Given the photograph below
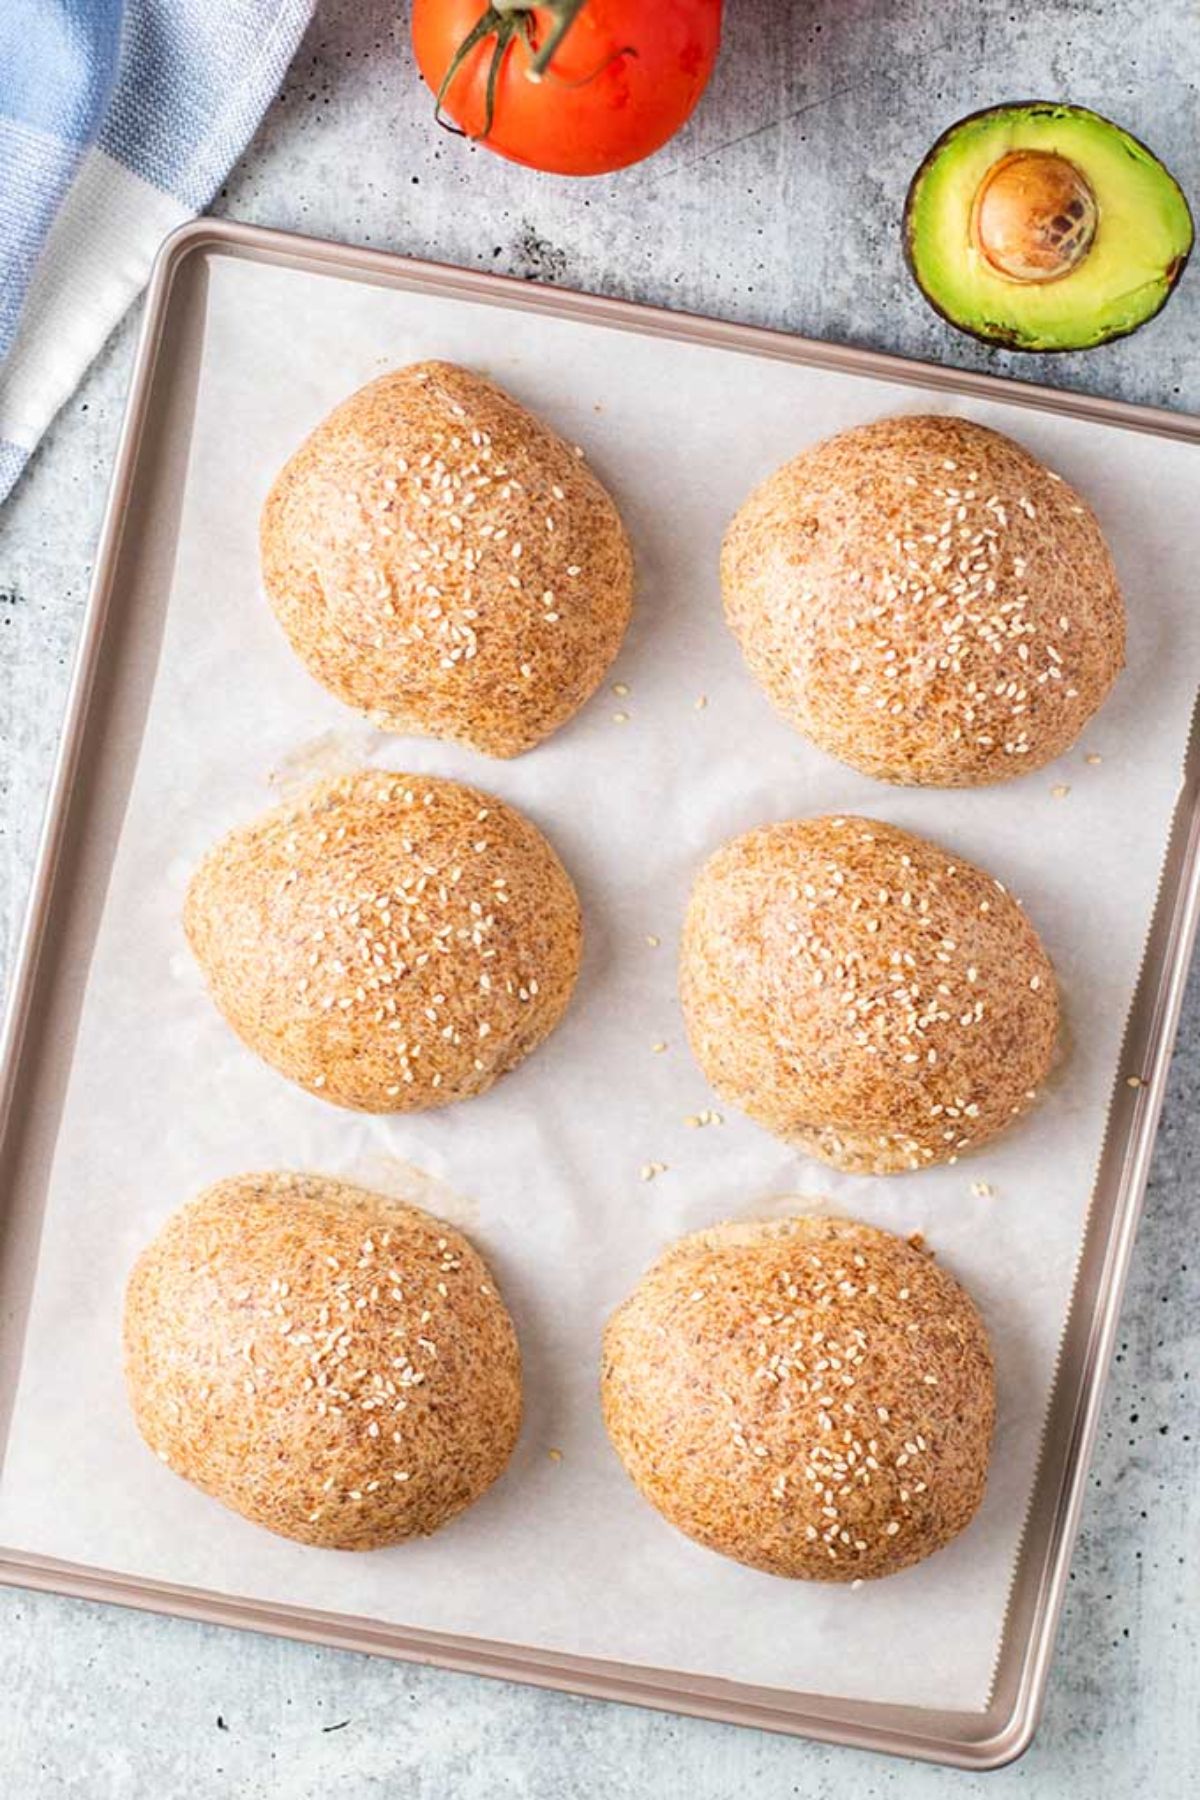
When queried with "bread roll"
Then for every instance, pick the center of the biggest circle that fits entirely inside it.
(923, 599)
(809, 1396)
(331, 1364)
(443, 562)
(874, 1000)
(390, 942)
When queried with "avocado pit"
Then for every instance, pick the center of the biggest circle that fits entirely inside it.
(1035, 216)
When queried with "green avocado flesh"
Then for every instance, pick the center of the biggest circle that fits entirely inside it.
(1142, 238)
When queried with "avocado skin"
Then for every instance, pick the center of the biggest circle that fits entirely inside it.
(995, 336)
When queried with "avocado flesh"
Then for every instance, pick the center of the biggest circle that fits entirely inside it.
(1142, 239)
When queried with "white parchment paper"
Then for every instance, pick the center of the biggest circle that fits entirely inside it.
(544, 1171)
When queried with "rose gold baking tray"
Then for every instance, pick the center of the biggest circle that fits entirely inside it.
(109, 693)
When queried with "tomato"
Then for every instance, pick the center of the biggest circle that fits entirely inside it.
(620, 76)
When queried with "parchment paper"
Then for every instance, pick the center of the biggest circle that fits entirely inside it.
(544, 1171)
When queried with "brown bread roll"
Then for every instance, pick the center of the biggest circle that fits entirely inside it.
(444, 563)
(810, 1396)
(330, 1363)
(864, 994)
(390, 942)
(922, 598)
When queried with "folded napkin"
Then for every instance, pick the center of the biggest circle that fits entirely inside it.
(119, 119)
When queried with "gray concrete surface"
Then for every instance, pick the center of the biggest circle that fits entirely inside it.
(779, 205)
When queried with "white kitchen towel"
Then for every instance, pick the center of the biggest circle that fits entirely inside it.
(119, 119)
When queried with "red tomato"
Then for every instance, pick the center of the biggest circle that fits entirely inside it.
(622, 79)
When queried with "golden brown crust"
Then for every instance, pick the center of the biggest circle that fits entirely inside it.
(864, 994)
(390, 942)
(330, 1363)
(445, 563)
(922, 598)
(810, 1396)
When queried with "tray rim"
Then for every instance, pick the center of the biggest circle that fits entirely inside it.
(983, 1740)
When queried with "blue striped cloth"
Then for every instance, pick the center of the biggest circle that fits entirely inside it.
(119, 119)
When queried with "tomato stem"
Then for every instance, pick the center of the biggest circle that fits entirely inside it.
(565, 15)
(493, 21)
(505, 20)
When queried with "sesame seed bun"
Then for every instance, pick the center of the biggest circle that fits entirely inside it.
(443, 562)
(923, 599)
(331, 1364)
(874, 1000)
(810, 1396)
(390, 942)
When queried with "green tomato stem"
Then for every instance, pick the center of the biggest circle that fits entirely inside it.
(565, 15)
(506, 20)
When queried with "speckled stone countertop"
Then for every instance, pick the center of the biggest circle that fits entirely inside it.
(778, 206)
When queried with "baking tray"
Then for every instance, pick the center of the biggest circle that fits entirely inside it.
(106, 708)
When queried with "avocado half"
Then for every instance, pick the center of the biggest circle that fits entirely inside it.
(1045, 227)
